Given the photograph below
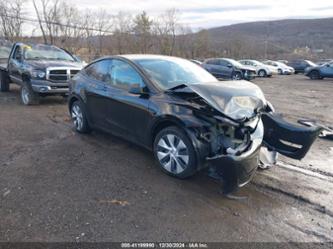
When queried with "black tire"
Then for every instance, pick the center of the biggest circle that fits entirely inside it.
(236, 76)
(189, 168)
(4, 82)
(280, 71)
(77, 109)
(28, 96)
(262, 73)
(314, 75)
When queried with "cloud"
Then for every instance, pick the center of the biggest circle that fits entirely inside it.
(213, 13)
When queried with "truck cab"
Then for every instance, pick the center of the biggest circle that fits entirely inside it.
(41, 70)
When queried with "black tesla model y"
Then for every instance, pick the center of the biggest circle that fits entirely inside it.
(184, 115)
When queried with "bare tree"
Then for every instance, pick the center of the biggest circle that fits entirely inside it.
(166, 29)
(11, 19)
(104, 25)
(49, 16)
(122, 33)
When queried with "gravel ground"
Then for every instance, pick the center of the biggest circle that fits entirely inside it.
(57, 186)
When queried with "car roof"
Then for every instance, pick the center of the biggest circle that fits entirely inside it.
(145, 56)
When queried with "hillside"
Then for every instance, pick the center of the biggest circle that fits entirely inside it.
(283, 36)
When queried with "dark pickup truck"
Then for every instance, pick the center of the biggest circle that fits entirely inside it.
(41, 70)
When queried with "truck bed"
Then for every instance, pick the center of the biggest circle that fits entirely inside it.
(3, 64)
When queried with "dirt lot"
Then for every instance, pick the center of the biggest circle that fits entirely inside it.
(56, 185)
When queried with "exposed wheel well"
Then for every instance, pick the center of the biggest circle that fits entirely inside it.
(71, 101)
(161, 126)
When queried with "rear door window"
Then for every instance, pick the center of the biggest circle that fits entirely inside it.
(100, 70)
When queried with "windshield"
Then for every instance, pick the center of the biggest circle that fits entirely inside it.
(235, 63)
(311, 63)
(43, 52)
(258, 63)
(171, 72)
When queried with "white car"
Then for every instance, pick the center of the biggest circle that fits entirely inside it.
(281, 67)
(262, 69)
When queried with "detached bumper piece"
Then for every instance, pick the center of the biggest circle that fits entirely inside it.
(288, 139)
(235, 174)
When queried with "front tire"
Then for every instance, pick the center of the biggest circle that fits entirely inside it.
(79, 117)
(4, 82)
(28, 96)
(174, 153)
(262, 73)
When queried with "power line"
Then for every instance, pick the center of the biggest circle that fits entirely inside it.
(28, 19)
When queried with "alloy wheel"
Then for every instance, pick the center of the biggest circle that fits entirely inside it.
(77, 117)
(236, 76)
(25, 95)
(262, 73)
(172, 153)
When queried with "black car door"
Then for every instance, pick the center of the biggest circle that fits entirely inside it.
(127, 109)
(96, 92)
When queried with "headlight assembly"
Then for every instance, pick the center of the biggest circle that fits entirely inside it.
(243, 106)
(38, 74)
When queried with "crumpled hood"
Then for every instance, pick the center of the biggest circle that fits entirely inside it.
(236, 99)
(43, 64)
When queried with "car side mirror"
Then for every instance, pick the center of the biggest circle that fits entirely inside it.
(229, 65)
(328, 65)
(137, 89)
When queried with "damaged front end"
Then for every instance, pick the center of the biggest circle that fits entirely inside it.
(236, 122)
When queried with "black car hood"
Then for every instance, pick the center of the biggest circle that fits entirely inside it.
(43, 64)
(224, 97)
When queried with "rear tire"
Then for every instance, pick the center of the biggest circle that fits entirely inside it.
(4, 82)
(79, 117)
(236, 76)
(174, 153)
(28, 96)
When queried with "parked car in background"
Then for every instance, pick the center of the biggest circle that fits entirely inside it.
(323, 61)
(282, 68)
(196, 62)
(184, 115)
(40, 70)
(320, 71)
(300, 65)
(262, 70)
(224, 68)
(283, 61)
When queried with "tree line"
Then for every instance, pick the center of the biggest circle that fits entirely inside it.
(91, 34)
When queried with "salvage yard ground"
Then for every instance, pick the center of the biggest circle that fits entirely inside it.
(56, 185)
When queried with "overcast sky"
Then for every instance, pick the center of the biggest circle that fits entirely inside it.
(213, 13)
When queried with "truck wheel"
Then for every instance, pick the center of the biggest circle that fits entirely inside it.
(4, 82)
(28, 96)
